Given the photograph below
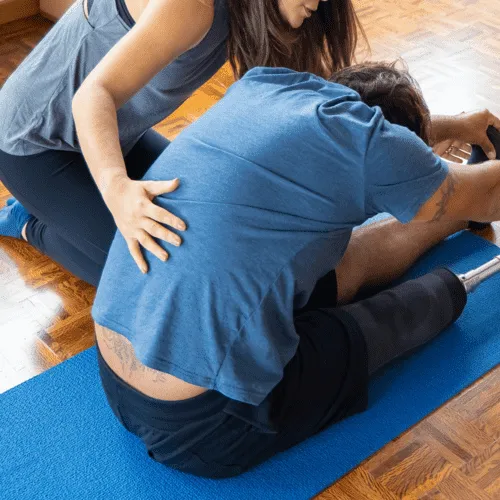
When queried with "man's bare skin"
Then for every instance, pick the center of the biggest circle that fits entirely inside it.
(119, 354)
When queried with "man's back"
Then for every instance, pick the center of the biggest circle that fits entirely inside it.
(273, 179)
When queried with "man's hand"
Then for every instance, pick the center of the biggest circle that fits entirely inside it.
(452, 136)
(473, 127)
(453, 150)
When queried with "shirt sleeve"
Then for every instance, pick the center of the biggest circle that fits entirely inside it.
(401, 171)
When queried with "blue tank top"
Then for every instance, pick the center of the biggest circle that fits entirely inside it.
(123, 11)
(35, 102)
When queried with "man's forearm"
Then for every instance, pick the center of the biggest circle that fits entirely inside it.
(484, 192)
(494, 194)
(467, 193)
(445, 127)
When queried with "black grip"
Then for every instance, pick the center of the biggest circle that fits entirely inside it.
(478, 155)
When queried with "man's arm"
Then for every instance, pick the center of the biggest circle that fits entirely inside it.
(470, 128)
(467, 193)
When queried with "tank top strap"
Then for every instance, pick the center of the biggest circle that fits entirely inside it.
(124, 13)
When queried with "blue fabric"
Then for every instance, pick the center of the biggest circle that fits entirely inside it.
(36, 100)
(59, 439)
(13, 217)
(273, 179)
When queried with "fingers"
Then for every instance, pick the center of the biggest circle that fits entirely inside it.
(460, 153)
(135, 251)
(145, 239)
(466, 147)
(164, 216)
(139, 220)
(494, 121)
(158, 231)
(150, 244)
(156, 188)
(457, 151)
(488, 148)
(453, 158)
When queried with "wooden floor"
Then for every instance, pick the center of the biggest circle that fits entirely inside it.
(452, 47)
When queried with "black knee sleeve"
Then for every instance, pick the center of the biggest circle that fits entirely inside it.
(400, 319)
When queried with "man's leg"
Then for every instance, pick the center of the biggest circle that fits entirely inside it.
(383, 251)
(397, 320)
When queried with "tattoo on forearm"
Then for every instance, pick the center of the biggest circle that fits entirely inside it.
(447, 192)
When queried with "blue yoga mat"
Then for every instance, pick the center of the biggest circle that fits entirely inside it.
(60, 440)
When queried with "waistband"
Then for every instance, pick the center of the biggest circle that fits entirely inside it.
(201, 406)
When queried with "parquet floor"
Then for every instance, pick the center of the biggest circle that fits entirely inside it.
(452, 47)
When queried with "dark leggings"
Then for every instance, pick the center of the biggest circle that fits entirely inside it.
(71, 222)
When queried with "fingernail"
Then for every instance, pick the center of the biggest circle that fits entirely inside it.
(164, 257)
(178, 242)
(492, 156)
(181, 227)
(144, 270)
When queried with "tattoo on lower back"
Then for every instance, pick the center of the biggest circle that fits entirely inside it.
(447, 192)
(125, 353)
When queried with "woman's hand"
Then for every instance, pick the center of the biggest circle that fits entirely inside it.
(138, 218)
(165, 30)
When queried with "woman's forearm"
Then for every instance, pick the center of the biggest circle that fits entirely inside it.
(96, 121)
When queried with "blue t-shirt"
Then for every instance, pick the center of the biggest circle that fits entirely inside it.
(273, 179)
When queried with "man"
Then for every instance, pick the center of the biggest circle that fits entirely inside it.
(248, 340)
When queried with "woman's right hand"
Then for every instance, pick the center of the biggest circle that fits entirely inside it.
(139, 220)
(165, 30)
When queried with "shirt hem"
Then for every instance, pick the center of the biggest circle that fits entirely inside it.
(231, 391)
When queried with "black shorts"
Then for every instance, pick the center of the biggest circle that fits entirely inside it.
(211, 435)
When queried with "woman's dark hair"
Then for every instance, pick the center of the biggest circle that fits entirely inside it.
(396, 92)
(259, 36)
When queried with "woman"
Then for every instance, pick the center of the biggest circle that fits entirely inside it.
(122, 66)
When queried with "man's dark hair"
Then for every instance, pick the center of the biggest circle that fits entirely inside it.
(394, 90)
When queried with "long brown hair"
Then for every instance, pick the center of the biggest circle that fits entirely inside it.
(259, 36)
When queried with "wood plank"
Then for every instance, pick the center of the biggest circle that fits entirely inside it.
(12, 10)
